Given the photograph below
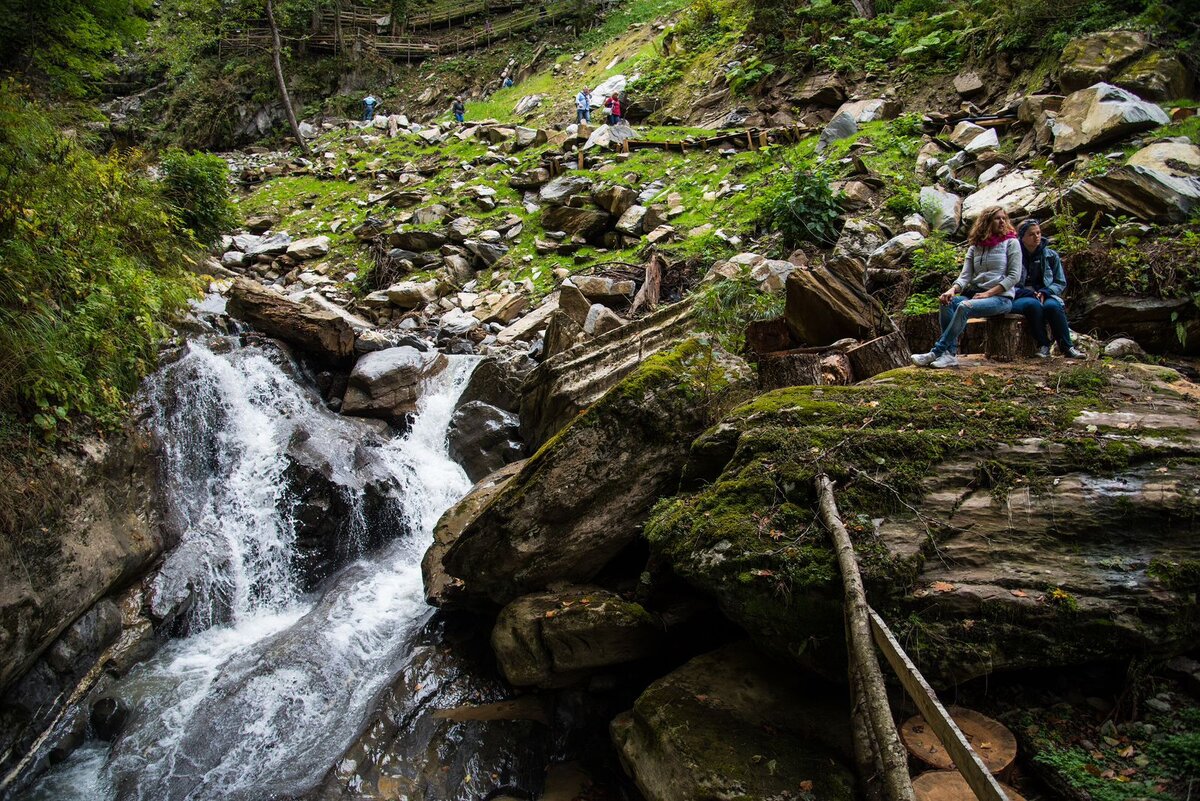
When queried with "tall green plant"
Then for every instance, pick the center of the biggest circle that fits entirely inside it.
(197, 185)
(804, 209)
(92, 263)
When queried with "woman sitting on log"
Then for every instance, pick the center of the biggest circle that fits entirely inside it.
(984, 288)
(1039, 295)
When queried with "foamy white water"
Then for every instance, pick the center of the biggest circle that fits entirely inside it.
(271, 686)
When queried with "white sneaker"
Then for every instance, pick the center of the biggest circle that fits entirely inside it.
(943, 361)
(924, 359)
(1074, 353)
(1042, 352)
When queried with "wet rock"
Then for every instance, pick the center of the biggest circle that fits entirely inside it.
(447, 728)
(734, 724)
(387, 383)
(484, 439)
(544, 525)
(318, 331)
(497, 382)
(556, 638)
(1098, 57)
(1100, 114)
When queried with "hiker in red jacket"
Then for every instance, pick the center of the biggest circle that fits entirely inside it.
(613, 104)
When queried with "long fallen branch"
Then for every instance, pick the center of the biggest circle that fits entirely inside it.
(864, 666)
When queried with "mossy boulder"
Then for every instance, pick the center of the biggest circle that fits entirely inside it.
(1098, 57)
(582, 497)
(965, 568)
(733, 724)
(555, 638)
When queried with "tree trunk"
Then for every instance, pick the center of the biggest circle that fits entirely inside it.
(878, 356)
(865, 8)
(277, 61)
(788, 369)
(651, 287)
(1005, 339)
(859, 644)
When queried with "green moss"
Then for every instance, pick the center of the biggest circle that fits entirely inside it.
(1182, 576)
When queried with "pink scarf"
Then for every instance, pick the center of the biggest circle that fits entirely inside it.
(992, 241)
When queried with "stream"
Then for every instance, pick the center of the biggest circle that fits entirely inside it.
(269, 684)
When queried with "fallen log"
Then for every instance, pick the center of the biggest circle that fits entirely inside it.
(789, 368)
(864, 665)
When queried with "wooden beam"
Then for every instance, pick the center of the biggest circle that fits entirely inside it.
(968, 763)
(895, 780)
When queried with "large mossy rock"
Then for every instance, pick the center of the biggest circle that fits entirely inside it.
(555, 638)
(1001, 521)
(733, 724)
(582, 497)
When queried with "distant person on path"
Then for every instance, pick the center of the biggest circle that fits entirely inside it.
(369, 104)
(613, 104)
(985, 287)
(1039, 292)
(459, 109)
(508, 81)
(583, 106)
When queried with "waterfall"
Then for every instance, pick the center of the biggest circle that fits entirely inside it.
(270, 685)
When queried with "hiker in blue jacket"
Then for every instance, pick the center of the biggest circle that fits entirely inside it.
(369, 104)
(1039, 293)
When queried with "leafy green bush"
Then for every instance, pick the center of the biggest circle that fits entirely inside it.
(93, 265)
(804, 209)
(197, 186)
(744, 76)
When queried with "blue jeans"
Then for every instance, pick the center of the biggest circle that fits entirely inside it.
(1039, 313)
(960, 309)
(458, 116)
(369, 114)
(583, 115)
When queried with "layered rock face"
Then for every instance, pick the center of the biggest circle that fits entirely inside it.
(1001, 534)
(576, 503)
(105, 538)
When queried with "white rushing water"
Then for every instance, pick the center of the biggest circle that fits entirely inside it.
(271, 685)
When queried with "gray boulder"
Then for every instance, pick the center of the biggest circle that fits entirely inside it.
(386, 383)
(1156, 76)
(1102, 113)
(417, 241)
(311, 248)
(575, 221)
(563, 188)
(941, 209)
(484, 438)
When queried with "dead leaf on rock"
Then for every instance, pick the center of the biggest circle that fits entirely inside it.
(942, 586)
(1020, 593)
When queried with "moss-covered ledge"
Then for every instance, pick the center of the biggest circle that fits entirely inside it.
(906, 451)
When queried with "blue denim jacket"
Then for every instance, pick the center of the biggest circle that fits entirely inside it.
(1047, 264)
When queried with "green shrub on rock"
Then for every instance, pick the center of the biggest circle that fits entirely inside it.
(197, 186)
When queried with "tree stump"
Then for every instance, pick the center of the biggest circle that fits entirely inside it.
(921, 331)
(788, 369)
(949, 785)
(994, 743)
(769, 336)
(878, 356)
(1006, 340)
(974, 337)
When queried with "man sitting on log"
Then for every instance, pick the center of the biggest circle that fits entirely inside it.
(1039, 294)
(984, 288)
